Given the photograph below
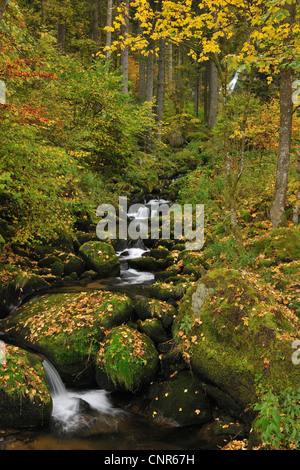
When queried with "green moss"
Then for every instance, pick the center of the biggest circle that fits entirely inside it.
(100, 257)
(282, 244)
(153, 328)
(180, 399)
(24, 393)
(167, 291)
(67, 328)
(232, 328)
(128, 358)
(154, 308)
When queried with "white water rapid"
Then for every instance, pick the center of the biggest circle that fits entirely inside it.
(136, 249)
(72, 410)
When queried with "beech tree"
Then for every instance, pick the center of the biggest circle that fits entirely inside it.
(265, 35)
(286, 118)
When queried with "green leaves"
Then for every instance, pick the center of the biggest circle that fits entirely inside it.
(278, 419)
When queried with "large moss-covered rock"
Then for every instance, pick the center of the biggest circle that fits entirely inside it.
(233, 330)
(127, 360)
(180, 399)
(67, 328)
(282, 244)
(100, 257)
(25, 398)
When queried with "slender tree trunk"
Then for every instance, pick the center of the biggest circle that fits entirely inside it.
(142, 77)
(296, 211)
(61, 29)
(284, 147)
(196, 90)
(149, 93)
(95, 21)
(125, 49)
(142, 71)
(2, 8)
(150, 76)
(160, 84)
(61, 35)
(170, 68)
(109, 25)
(212, 95)
(285, 134)
(205, 92)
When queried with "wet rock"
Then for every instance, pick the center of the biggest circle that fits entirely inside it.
(127, 360)
(24, 393)
(153, 328)
(74, 264)
(155, 308)
(66, 328)
(100, 257)
(180, 399)
(234, 328)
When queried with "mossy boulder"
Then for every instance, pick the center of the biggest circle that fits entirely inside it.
(74, 264)
(100, 257)
(180, 399)
(48, 261)
(149, 263)
(168, 291)
(282, 244)
(67, 328)
(159, 253)
(193, 263)
(57, 268)
(153, 328)
(233, 330)
(127, 360)
(25, 398)
(155, 308)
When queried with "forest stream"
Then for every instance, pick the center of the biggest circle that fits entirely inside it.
(100, 420)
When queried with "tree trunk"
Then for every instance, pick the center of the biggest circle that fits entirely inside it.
(149, 94)
(160, 84)
(284, 147)
(109, 25)
(95, 21)
(125, 48)
(142, 71)
(2, 8)
(285, 134)
(61, 35)
(150, 76)
(212, 95)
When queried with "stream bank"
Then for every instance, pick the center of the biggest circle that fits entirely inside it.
(168, 281)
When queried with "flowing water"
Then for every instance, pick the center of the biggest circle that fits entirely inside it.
(94, 419)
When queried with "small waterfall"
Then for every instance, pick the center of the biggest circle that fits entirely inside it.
(73, 411)
(56, 385)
